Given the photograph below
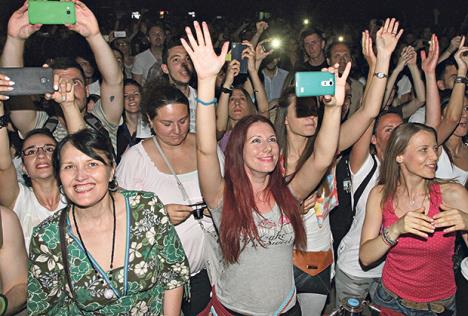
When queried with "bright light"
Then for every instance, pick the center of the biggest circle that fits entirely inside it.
(275, 43)
(340, 38)
(306, 21)
(192, 14)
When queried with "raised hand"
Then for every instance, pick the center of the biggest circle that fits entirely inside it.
(411, 56)
(451, 219)
(454, 43)
(86, 23)
(367, 50)
(18, 25)
(429, 61)
(64, 93)
(233, 70)
(261, 26)
(461, 56)
(204, 59)
(403, 59)
(5, 85)
(387, 37)
(340, 85)
(416, 223)
(249, 53)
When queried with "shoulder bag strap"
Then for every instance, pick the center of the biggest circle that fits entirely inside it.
(365, 182)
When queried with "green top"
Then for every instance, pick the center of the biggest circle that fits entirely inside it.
(155, 261)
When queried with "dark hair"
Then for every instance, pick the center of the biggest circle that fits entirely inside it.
(91, 143)
(382, 114)
(333, 45)
(310, 31)
(31, 133)
(441, 68)
(150, 25)
(132, 82)
(64, 63)
(170, 43)
(237, 221)
(157, 95)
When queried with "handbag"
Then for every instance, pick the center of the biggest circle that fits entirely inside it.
(312, 262)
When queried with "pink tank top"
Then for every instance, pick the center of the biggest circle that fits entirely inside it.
(416, 269)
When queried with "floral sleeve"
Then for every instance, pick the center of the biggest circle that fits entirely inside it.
(45, 289)
(174, 267)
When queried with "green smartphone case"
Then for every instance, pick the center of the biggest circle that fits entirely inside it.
(51, 12)
(314, 83)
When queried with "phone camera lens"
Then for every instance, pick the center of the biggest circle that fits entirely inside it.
(43, 80)
(68, 11)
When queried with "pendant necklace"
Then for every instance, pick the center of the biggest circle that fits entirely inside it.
(108, 293)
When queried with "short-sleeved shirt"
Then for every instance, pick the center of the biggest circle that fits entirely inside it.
(144, 61)
(154, 262)
(60, 131)
(262, 279)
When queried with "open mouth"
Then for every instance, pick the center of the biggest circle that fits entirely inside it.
(83, 188)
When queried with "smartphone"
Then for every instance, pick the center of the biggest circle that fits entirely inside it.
(136, 15)
(30, 80)
(51, 12)
(236, 53)
(118, 34)
(314, 83)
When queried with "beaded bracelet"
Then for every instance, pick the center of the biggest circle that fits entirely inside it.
(211, 102)
(387, 239)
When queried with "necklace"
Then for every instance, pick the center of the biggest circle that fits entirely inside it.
(108, 293)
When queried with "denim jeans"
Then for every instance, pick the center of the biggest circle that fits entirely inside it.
(383, 298)
(352, 286)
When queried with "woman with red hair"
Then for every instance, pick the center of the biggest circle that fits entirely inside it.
(257, 213)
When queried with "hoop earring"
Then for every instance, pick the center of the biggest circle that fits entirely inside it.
(113, 185)
(61, 190)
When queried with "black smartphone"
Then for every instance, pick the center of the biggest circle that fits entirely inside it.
(236, 53)
(198, 209)
(29, 80)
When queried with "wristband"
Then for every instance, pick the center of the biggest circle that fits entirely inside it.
(3, 304)
(387, 239)
(460, 79)
(206, 103)
(226, 90)
(380, 75)
(4, 119)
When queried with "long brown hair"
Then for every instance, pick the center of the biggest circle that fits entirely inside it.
(237, 222)
(251, 106)
(397, 143)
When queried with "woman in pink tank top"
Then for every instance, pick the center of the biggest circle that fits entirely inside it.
(412, 219)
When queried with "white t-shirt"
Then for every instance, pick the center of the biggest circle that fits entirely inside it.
(348, 251)
(419, 116)
(143, 62)
(137, 171)
(30, 212)
(464, 267)
(192, 108)
(447, 170)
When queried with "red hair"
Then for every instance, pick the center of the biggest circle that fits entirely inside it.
(237, 222)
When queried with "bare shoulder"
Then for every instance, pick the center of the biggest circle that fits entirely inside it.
(453, 193)
(377, 191)
(10, 222)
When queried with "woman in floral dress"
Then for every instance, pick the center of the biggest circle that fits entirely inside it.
(108, 252)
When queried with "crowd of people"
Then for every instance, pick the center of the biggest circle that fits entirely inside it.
(165, 175)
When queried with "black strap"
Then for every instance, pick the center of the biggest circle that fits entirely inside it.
(363, 185)
(51, 123)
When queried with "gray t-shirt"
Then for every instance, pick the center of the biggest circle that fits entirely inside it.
(60, 131)
(262, 281)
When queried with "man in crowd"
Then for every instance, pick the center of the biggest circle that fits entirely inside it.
(313, 45)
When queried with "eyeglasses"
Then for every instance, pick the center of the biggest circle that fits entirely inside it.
(30, 151)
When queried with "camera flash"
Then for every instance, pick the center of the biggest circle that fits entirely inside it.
(306, 21)
(340, 38)
(275, 43)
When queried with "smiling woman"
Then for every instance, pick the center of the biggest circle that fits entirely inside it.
(114, 251)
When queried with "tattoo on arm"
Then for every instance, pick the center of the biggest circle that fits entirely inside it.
(112, 98)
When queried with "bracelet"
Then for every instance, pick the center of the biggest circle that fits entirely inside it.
(460, 79)
(226, 90)
(3, 304)
(4, 119)
(387, 239)
(206, 103)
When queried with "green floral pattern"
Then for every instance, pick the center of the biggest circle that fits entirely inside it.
(156, 262)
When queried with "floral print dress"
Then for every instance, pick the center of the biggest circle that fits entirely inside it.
(155, 261)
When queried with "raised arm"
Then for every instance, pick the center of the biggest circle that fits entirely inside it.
(258, 88)
(9, 188)
(326, 143)
(369, 56)
(418, 83)
(207, 64)
(112, 77)
(353, 128)
(261, 27)
(18, 32)
(429, 64)
(454, 44)
(402, 61)
(13, 262)
(222, 110)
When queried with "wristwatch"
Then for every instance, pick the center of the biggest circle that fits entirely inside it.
(460, 79)
(226, 90)
(4, 119)
(380, 75)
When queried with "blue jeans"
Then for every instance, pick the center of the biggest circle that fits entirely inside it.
(384, 298)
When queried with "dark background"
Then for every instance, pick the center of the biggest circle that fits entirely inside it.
(352, 11)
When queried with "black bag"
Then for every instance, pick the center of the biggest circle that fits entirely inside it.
(342, 216)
